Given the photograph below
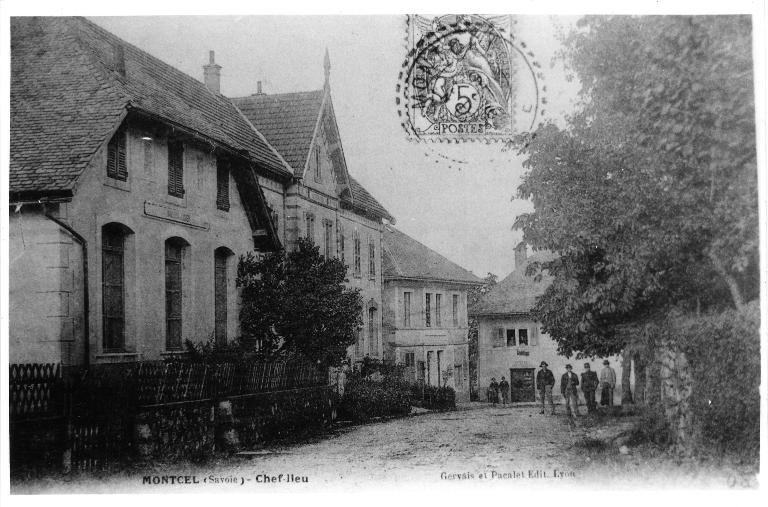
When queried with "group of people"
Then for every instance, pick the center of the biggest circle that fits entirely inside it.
(569, 383)
(496, 389)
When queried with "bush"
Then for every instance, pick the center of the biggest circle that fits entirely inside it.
(365, 399)
(433, 397)
(723, 351)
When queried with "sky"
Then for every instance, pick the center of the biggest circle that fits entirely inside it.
(464, 211)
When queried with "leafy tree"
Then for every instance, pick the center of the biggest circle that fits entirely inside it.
(298, 303)
(648, 194)
(473, 296)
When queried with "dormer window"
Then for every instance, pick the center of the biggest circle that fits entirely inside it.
(117, 164)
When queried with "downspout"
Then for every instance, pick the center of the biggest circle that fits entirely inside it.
(86, 314)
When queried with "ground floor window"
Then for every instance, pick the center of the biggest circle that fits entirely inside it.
(174, 248)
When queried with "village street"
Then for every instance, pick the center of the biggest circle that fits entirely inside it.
(473, 446)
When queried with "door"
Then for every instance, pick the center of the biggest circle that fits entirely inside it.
(521, 384)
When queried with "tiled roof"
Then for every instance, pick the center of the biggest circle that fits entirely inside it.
(287, 120)
(66, 101)
(404, 257)
(364, 201)
(516, 294)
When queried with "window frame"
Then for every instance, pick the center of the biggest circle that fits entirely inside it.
(107, 251)
(427, 309)
(117, 155)
(520, 333)
(438, 309)
(170, 317)
(510, 333)
(176, 169)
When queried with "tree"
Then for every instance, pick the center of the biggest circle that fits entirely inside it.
(473, 296)
(649, 193)
(298, 303)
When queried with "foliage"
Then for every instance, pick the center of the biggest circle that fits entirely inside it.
(724, 354)
(365, 399)
(473, 296)
(433, 397)
(298, 303)
(648, 195)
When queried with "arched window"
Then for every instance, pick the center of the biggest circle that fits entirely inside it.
(113, 238)
(221, 293)
(357, 254)
(174, 251)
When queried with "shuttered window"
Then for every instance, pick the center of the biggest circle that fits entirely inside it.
(406, 309)
(328, 227)
(357, 255)
(176, 169)
(342, 246)
(222, 185)
(220, 295)
(438, 310)
(455, 310)
(113, 288)
(117, 164)
(428, 310)
(498, 337)
(173, 294)
(373, 342)
(371, 260)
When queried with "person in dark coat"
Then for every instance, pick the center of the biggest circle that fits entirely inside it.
(589, 383)
(545, 381)
(504, 390)
(569, 384)
(493, 391)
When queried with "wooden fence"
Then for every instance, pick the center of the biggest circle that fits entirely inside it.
(84, 419)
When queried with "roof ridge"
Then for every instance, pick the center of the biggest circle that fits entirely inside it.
(273, 95)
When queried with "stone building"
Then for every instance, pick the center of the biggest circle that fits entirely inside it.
(425, 313)
(134, 188)
(323, 201)
(511, 343)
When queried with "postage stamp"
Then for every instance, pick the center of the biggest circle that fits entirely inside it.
(467, 77)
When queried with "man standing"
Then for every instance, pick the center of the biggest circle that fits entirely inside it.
(493, 391)
(589, 385)
(568, 387)
(545, 381)
(607, 384)
(504, 390)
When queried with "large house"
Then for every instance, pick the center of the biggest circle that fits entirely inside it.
(511, 343)
(425, 313)
(135, 187)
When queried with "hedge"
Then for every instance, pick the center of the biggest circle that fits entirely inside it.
(365, 399)
(433, 397)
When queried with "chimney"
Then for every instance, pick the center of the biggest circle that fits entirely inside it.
(118, 59)
(212, 74)
(521, 257)
(258, 88)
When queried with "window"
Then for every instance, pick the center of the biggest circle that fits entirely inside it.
(117, 165)
(406, 309)
(220, 294)
(498, 337)
(409, 359)
(458, 374)
(510, 337)
(310, 225)
(357, 255)
(342, 246)
(371, 260)
(522, 337)
(173, 293)
(429, 367)
(318, 167)
(113, 287)
(427, 309)
(328, 227)
(373, 342)
(455, 310)
(222, 185)
(359, 343)
(438, 310)
(176, 169)
(439, 367)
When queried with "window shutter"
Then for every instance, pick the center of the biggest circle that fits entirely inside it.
(534, 335)
(176, 169)
(222, 185)
(117, 164)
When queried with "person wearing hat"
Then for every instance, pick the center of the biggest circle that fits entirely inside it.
(568, 388)
(607, 384)
(589, 383)
(545, 381)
